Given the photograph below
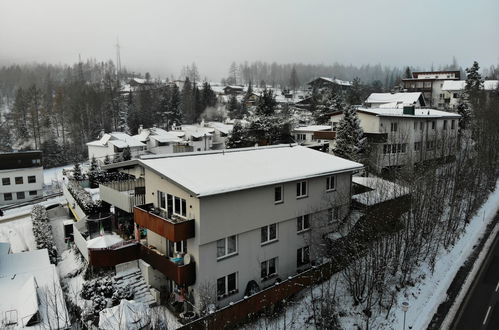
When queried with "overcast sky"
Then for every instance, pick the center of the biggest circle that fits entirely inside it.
(162, 36)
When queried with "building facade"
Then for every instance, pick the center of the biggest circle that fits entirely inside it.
(241, 219)
(430, 83)
(21, 175)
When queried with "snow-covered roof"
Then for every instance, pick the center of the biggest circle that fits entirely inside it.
(313, 128)
(221, 127)
(336, 81)
(381, 190)
(130, 315)
(104, 241)
(118, 139)
(159, 135)
(216, 172)
(129, 140)
(197, 131)
(4, 248)
(458, 85)
(32, 284)
(397, 98)
(419, 113)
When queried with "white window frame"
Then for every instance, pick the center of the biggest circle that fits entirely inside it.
(301, 183)
(282, 194)
(268, 239)
(226, 247)
(181, 207)
(226, 280)
(266, 264)
(300, 223)
(302, 262)
(329, 179)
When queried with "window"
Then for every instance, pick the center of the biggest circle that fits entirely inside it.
(333, 214)
(180, 206)
(394, 148)
(445, 124)
(227, 246)
(302, 256)
(393, 127)
(7, 196)
(227, 285)
(430, 145)
(31, 179)
(161, 200)
(20, 195)
(278, 198)
(176, 247)
(32, 193)
(303, 223)
(268, 268)
(36, 161)
(301, 189)
(415, 125)
(19, 180)
(456, 95)
(330, 183)
(452, 124)
(433, 124)
(417, 146)
(5, 181)
(269, 233)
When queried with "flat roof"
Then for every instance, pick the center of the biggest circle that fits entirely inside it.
(210, 173)
(399, 112)
(313, 128)
(407, 98)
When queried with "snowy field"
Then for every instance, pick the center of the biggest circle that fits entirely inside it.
(424, 298)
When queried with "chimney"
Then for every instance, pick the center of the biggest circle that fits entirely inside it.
(141, 128)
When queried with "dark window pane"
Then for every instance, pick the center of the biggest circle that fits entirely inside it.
(20, 195)
(272, 266)
(19, 180)
(264, 234)
(278, 194)
(169, 204)
(273, 232)
(298, 223)
(6, 181)
(221, 286)
(184, 207)
(231, 242)
(306, 222)
(220, 248)
(7, 196)
(263, 269)
(298, 189)
(177, 205)
(306, 255)
(231, 282)
(299, 257)
(32, 193)
(31, 179)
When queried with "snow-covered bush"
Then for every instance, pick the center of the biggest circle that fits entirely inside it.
(42, 230)
(84, 199)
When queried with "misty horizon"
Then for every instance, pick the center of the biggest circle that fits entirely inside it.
(161, 38)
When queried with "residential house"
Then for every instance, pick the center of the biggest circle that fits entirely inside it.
(406, 136)
(453, 89)
(113, 144)
(395, 100)
(334, 84)
(227, 223)
(220, 134)
(32, 293)
(21, 175)
(314, 135)
(159, 141)
(200, 138)
(229, 90)
(430, 83)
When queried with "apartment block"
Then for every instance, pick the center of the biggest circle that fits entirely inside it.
(21, 176)
(228, 223)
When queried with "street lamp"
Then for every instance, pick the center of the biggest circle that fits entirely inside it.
(405, 308)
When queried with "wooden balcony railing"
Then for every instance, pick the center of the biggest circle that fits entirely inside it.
(128, 251)
(173, 230)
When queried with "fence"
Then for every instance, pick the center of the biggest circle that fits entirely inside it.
(242, 310)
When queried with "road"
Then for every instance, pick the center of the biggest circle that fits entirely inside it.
(481, 309)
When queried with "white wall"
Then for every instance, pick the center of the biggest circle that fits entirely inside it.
(25, 187)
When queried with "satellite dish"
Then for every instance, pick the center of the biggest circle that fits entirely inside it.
(187, 259)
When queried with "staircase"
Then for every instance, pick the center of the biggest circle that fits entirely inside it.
(134, 280)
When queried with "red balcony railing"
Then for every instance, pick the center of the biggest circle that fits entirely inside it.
(173, 230)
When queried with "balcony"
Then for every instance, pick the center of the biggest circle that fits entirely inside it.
(324, 135)
(128, 251)
(173, 229)
(123, 194)
(180, 273)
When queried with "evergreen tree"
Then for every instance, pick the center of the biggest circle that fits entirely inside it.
(330, 102)
(107, 161)
(266, 103)
(175, 112)
(350, 140)
(187, 103)
(355, 93)
(232, 105)
(294, 82)
(94, 173)
(469, 101)
(77, 174)
(52, 152)
(238, 138)
(408, 73)
(127, 154)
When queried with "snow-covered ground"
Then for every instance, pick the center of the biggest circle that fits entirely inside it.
(26, 210)
(19, 234)
(54, 174)
(424, 298)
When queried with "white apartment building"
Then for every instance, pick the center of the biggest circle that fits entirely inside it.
(159, 141)
(406, 136)
(21, 176)
(113, 144)
(236, 221)
(453, 89)
(199, 137)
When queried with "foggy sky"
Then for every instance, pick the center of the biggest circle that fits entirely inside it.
(162, 36)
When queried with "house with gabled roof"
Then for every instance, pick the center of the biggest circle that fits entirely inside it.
(113, 144)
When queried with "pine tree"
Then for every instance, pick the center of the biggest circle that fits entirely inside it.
(238, 138)
(107, 160)
(354, 95)
(175, 112)
(266, 103)
(408, 73)
(77, 174)
(94, 173)
(127, 154)
(350, 140)
(329, 102)
(187, 103)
